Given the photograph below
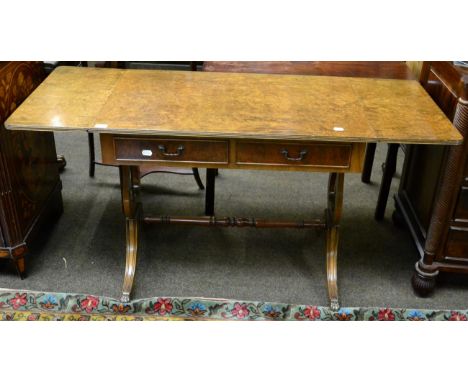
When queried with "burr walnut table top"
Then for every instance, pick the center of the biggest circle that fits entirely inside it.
(234, 105)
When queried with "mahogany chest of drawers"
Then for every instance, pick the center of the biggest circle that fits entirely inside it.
(30, 187)
(433, 193)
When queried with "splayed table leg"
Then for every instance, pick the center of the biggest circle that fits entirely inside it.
(333, 216)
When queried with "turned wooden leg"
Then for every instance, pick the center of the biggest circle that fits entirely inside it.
(196, 175)
(129, 184)
(210, 191)
(368, 162)
(426, 270)
(333, 216)
(423, 282)
(389, 172)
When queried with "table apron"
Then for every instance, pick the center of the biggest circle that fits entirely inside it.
(249, 154)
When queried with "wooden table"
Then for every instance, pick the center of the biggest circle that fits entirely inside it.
(233, 121)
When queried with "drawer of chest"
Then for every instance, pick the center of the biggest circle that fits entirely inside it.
(461, 209)
(319, 154)
(456, 248)
(170, 150)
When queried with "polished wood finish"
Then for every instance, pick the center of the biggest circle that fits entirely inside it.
(148, 168)
(74, 105)
(213, 221)
(335, 157)
(170, 150)
(307, 156)
(200, 104)
(234, 153)
(376, 69)
(318, 154)
(432, 196)
(333, 216)
(391, 70)
(129, 181)
(323, 121)
(30, 187)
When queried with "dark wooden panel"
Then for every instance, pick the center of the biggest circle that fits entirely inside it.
(457, 245)
(314, 155)
(461, 210)
(465, 174)
(163, 65)
(29, 179)
(376, 69)
(455, 78)
(433, 196)
(441, 94)
(30, 157)
(171, 150)
(426, 165)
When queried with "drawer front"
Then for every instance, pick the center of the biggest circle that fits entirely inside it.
(461, 209)
(171, 150)
(294, 154)
(465, 175)
(456, 248)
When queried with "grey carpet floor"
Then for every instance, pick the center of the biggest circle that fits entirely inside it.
(84, 251)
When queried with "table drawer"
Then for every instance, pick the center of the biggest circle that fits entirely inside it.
(171, 150)
(320, 154)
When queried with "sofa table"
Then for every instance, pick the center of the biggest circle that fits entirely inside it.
(233, 121)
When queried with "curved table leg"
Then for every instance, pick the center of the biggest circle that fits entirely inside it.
(129, 185)
(131, 256)
(333, 216)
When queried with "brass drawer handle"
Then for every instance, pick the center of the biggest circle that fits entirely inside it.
(178, 153)
(301, 156)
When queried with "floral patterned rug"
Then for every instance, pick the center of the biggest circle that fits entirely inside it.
(33, 306)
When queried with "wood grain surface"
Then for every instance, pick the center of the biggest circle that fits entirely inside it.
(235, 105)
(370, 69)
